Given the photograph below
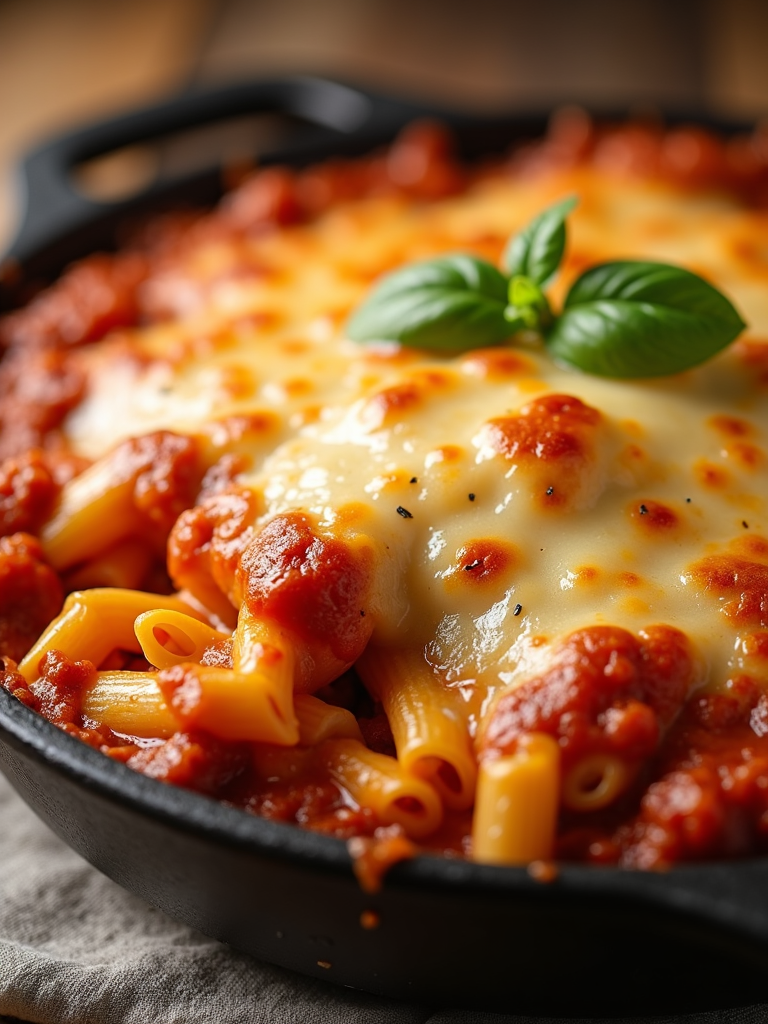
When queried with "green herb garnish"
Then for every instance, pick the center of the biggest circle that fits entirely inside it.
(619, 319)
(537, 252)
(628, 319)
(448, 304)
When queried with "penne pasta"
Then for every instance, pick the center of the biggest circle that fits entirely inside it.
(169, 637)
(95, 512)
(430, 733)
(93, 623)
(130, 703)
(516, 806)
(595, 782)
(276, 764)
(237, 706)
(124, 565)
(379, 782)
(254, 699)
(251, 701)
(319, 721)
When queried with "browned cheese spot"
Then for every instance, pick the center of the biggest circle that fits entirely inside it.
(307, 414)
(633, 454)
(352, 514)
(295, 387)
(587, 574)
(434, 379)
(748, 456)
(755, 645)
(629, 579)
(753, 353)
(653, 517)
(244, 427)
(555, 434)
(753, 547)
(263, 319)
(495, 364)
(485, 561)
(238, 381)
(446, 453)
(710, 475)
(730, 426)
(389, 404)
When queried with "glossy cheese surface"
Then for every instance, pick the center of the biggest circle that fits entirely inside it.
(509, 500)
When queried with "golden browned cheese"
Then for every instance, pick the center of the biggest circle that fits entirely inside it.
(537, 499)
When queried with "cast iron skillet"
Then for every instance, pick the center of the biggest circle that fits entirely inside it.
(591, 942)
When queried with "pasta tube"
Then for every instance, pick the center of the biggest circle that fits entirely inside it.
(379, 782)
(95, 512)
(251, 701)
(595, 781)
(281, 764)
(430, 733)
(254, 699)
(255, 707)
(168, 637)
(93, 623)
(124, 565)
(130, 703)
(517, 801)
(319, 721)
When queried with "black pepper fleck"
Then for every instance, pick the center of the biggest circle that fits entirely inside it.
(550, 491)
(688, 501)
(745, 524)
(517, 609)
(473, 565)
(362, 613)
(643, 510)
(471, 496)
(404, 512)
(414, 480)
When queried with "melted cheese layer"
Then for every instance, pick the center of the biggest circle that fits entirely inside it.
(496, 539)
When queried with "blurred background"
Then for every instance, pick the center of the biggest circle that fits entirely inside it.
(66, 61)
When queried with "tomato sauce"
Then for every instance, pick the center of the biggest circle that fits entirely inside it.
(312, 582)
(31, 593)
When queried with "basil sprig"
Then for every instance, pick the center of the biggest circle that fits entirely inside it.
(448, 304)
(620, 319)
(537, 252)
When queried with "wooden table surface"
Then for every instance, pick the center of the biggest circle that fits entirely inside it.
(67, 61)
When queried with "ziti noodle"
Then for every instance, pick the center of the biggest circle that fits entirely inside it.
(476, 600)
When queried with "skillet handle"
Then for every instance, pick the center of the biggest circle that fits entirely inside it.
(53, 209)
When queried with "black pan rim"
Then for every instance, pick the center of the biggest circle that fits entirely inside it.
(194, 813)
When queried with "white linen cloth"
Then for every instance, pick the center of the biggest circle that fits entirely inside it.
(75, 948)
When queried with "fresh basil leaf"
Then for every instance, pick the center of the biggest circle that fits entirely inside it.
(537, 251)
(641, 319)
(449, 304)
(527, 304)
